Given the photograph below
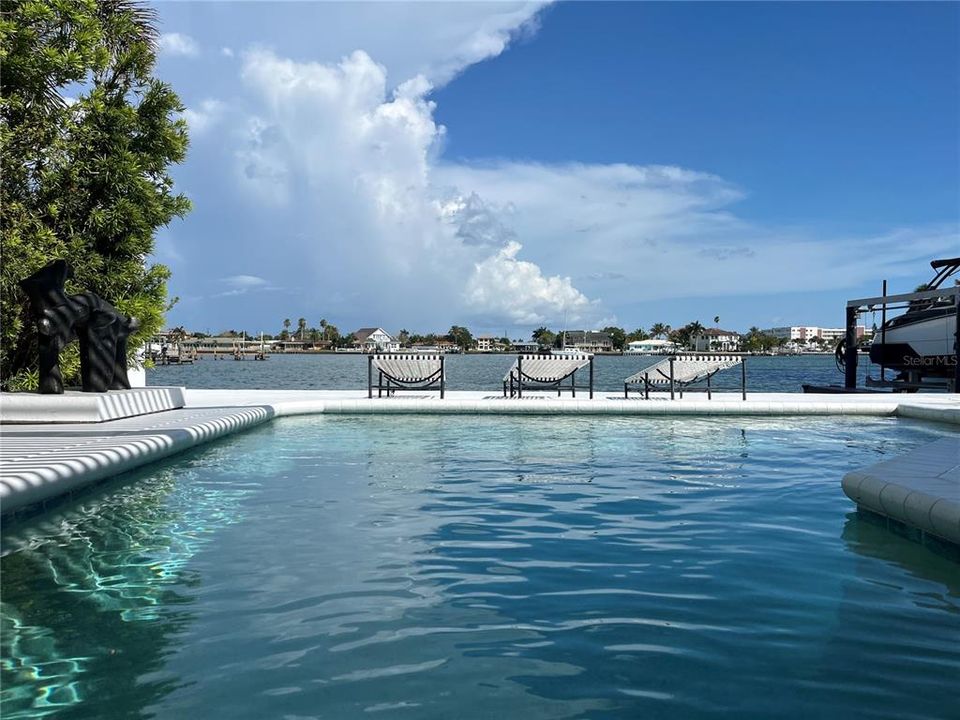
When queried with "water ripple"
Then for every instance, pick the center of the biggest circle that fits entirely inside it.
(561, 567)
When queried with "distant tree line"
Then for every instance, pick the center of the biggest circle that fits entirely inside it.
(327, 335)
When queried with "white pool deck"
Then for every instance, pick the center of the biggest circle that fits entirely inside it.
(39, 462)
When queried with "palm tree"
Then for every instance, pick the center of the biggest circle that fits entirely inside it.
(323, 326)
(177, 336)
(695, 330)
(301, 327)
(660, 330)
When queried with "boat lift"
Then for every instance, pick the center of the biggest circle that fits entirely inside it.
(905, 301)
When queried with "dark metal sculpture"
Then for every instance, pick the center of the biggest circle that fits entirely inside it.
(61, 318)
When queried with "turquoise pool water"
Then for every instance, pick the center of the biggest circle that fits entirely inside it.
(466, 567)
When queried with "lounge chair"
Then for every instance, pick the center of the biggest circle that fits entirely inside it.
(679, 372)
(405, 372)
(546, 372)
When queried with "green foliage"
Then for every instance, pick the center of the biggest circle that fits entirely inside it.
(638, 334)
(659, 330)
(617, 335)
(461, 337)
(83, 180)
(543, 336)
(756, 341)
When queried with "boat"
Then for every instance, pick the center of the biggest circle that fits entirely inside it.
(564, 351)
(921, 342)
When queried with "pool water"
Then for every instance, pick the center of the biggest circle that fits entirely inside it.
(437, 567)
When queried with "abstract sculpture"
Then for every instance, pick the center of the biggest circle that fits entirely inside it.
(60, 318)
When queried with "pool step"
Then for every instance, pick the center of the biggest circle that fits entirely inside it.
(920, 489)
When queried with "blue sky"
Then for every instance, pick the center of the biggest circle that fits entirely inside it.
(505, 165)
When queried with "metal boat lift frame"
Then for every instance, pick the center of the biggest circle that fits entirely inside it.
(895, 302)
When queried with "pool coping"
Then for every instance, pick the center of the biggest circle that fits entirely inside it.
(41, 462)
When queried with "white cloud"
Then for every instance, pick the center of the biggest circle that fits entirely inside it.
(200, 119)
(178, 44)
(334, 150)
(495, 32)
(243, 284)
(226, 52)
(634, 233)
(244, 281)
(518, 291)
(340, 164)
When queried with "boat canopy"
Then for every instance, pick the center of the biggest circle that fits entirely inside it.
(945, 268)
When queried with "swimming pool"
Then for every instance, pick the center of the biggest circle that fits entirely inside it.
(471, 567)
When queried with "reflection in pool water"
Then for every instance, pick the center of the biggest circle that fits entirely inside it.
(467, 567)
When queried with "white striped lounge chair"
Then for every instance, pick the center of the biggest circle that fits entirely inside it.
(546, 372)
(679, 372)
(405, 372)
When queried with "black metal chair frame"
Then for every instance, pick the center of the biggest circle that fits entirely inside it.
(390, 384)
(678, 386)
(519, 380)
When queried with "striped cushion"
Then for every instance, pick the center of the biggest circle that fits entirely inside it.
(546, 368)
(686, 369)
(408, 368)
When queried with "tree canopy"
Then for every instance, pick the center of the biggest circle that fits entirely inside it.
(543, 336)
(461, 336)
(618, 336)
(88, 135)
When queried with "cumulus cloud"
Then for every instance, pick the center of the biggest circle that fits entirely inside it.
(506, 287)
(333, 150)
(635, 233)
(346, 195)
(477, 222)
(203, 117)
(178, 44)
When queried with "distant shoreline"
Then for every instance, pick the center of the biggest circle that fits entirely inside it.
(229, 354)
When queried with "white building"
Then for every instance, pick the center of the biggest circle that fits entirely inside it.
(488, 343)
(651, 346)
(806, 333)
(375, 340)
(716, 340)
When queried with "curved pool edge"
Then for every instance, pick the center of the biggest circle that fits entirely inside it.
(41, 462)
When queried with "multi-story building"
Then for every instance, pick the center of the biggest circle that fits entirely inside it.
(806, 333)
(587, 340)
(716, 340)
(488, 343)
(375, 340)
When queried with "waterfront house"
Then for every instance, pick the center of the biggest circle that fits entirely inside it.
(374, 340)
(228, 344)
(485, 343)
(292, 345)
(716, 340)
(489, 343)
(652, 346)
(588, 341)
